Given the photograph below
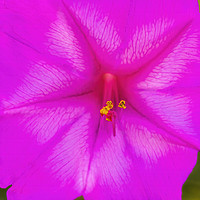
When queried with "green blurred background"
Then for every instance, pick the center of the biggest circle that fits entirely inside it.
(191, 188)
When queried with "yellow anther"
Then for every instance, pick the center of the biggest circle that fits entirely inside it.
(104, 111)
(108, 119)
(109, 104)
(122, 104)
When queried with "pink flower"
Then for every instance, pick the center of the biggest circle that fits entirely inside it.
(54, 55)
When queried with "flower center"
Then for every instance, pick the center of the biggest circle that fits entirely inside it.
(110, 95)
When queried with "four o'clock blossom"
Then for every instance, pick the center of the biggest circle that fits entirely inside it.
(61, 61)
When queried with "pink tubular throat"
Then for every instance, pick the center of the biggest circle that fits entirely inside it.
(110, 94)
(110, 89)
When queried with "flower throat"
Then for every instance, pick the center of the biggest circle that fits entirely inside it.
(110, 95)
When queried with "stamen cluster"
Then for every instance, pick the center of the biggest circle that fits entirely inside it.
(107, 110)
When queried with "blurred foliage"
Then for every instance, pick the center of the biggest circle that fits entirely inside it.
(3, 192)
(79, 198)
(191, 188)
(199, 4)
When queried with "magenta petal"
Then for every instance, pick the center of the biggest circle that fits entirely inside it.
(62, 149)
(86, 159)
(141, 162)
(160, 162)
(28, 132)
(127, 34)
(176, 112)
(167, 90)
(42, 56)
